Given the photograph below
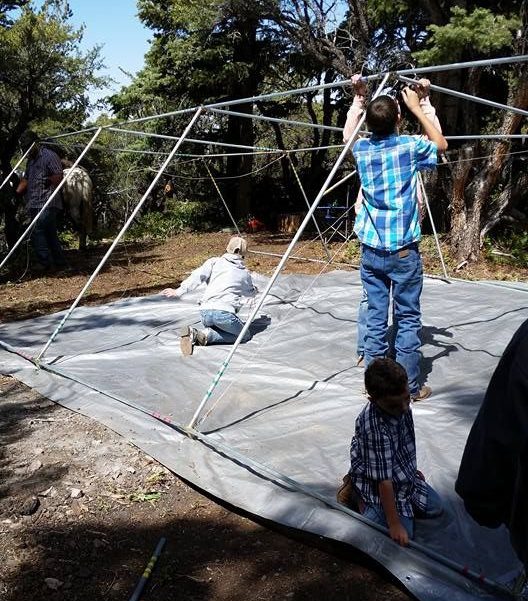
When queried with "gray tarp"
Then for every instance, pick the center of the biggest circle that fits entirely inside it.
(285, 408)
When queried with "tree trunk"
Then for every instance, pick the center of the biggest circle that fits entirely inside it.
(468, 210)
(460, 212)
(240, 129)
(468, 213)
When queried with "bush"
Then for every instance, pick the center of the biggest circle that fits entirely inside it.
(68, 238)
(509, 248)
(179, 216)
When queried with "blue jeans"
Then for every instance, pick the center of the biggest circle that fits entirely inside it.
(433, 509)
(224, 327)
(362, 324)
(45, 239)
(399, 273)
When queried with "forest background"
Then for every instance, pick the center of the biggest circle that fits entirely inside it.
(205, 51)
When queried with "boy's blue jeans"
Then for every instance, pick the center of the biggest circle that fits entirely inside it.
(224, 327)
(433, 509)
(401, 273)
(362, 324)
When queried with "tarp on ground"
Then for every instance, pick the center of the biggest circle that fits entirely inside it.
(279, 424)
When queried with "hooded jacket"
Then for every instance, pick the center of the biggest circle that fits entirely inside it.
(228, 282)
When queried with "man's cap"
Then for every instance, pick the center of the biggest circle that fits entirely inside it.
(237, 245)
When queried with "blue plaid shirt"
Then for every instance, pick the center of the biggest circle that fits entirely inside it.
(383, 448)
(388, 170)
(38, 170)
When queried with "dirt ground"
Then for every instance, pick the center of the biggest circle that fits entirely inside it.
(81, 510)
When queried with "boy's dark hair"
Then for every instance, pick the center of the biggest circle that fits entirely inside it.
(382, 116)
(384, 377)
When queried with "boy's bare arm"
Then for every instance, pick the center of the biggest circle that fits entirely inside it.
(356, 110)
(396, 531)
(412, 101)
(423, 89)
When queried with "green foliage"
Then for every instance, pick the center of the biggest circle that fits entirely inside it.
(44, 74)
(382, 10)
(145, 496)
(353, 252)
(69, 239)
(476, 33)
(508, 248)
(179, 216)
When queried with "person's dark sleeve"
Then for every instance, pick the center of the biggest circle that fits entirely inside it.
(492, 470)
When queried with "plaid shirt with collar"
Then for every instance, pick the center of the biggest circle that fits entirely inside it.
(388, 170)
(38, 170)
(383, 448)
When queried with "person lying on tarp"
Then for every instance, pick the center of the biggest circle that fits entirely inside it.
(228, 282)
(383, 483)
(493, 475)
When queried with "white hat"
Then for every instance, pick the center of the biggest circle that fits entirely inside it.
(237, 245)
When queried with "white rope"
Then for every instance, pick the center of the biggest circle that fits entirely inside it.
(308, 205)
(221, 197)
(240, 175)
(428, 206)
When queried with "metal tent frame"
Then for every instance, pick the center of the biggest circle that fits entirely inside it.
(192, 428)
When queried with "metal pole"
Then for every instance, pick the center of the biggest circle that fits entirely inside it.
(120, 235)
(136, 595)
(251, 99)
(262, 149)
(426, 200)
(276, 120)
(297, 258)
(341, 181)
(464, 96)
(75, 133)
(490, 137)
(339, 84)
(205, 142)
(221, 197)
(430, 69)
(279, 267)
(449, 67)
(53, 194)
(328, 256)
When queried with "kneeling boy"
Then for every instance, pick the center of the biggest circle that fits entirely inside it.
(383, 483)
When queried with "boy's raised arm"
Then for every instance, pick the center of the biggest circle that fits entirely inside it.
(396, 531)
(411, 99)
(356, 110)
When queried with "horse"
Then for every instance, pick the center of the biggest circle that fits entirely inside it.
(77, 197)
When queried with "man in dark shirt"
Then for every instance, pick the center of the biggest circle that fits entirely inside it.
(43, 174)
(493, 475)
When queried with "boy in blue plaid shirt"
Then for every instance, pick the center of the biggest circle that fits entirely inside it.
(383, 482)
(388, 227)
